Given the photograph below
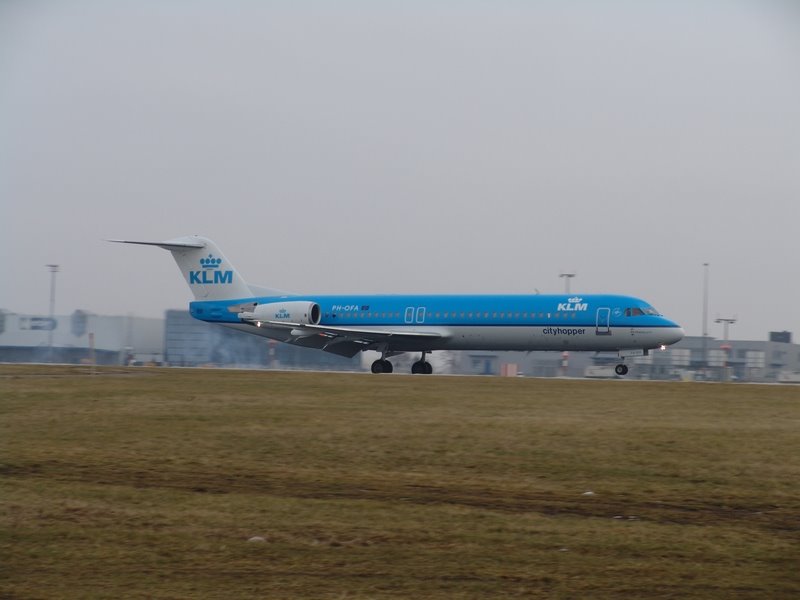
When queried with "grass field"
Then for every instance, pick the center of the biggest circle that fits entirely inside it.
(151, 483)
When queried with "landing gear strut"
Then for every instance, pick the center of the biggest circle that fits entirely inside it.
(422, 367)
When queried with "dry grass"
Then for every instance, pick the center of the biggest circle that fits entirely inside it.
(149, 483)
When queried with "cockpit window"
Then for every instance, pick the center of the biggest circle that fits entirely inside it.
(636, 311)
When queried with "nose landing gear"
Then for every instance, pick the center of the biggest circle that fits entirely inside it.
(622, 369)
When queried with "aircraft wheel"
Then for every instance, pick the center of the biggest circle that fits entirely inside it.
(621, 369)
(387, 366)
(377, 366)
(422, 368)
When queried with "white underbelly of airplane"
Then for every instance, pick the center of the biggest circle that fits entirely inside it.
(547, 338)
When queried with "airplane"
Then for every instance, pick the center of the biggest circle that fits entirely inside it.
(396, 324)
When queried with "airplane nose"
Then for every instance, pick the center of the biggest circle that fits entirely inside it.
(676, 334)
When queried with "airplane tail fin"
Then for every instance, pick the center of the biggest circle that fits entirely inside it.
(208, 273)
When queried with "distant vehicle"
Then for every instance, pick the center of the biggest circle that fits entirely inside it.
(599, 372)
(396, 324)
(788, 377)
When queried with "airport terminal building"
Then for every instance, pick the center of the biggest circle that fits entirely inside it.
(80, 338)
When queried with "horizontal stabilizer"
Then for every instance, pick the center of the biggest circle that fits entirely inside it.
(168, 245)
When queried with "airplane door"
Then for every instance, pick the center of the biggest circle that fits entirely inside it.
(417, 314)
(603, 321)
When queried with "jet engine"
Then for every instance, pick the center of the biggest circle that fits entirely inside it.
(305, 313)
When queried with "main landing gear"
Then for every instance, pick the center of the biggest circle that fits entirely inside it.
(382, 366)
(421, 367)
(621, 369)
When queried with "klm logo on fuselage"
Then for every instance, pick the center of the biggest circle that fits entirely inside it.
(210, 273)
(573, 305)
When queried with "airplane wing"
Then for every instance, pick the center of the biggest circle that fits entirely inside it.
(344, 341)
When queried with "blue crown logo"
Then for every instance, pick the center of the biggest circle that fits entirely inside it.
(210, 262)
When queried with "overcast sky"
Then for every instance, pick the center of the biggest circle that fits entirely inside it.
(405, 147)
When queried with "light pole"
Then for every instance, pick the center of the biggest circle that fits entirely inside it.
(53, 271)
(704, 362)
(566, 277)
(726, 321)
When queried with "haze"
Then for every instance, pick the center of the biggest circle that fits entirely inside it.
(405, 147)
